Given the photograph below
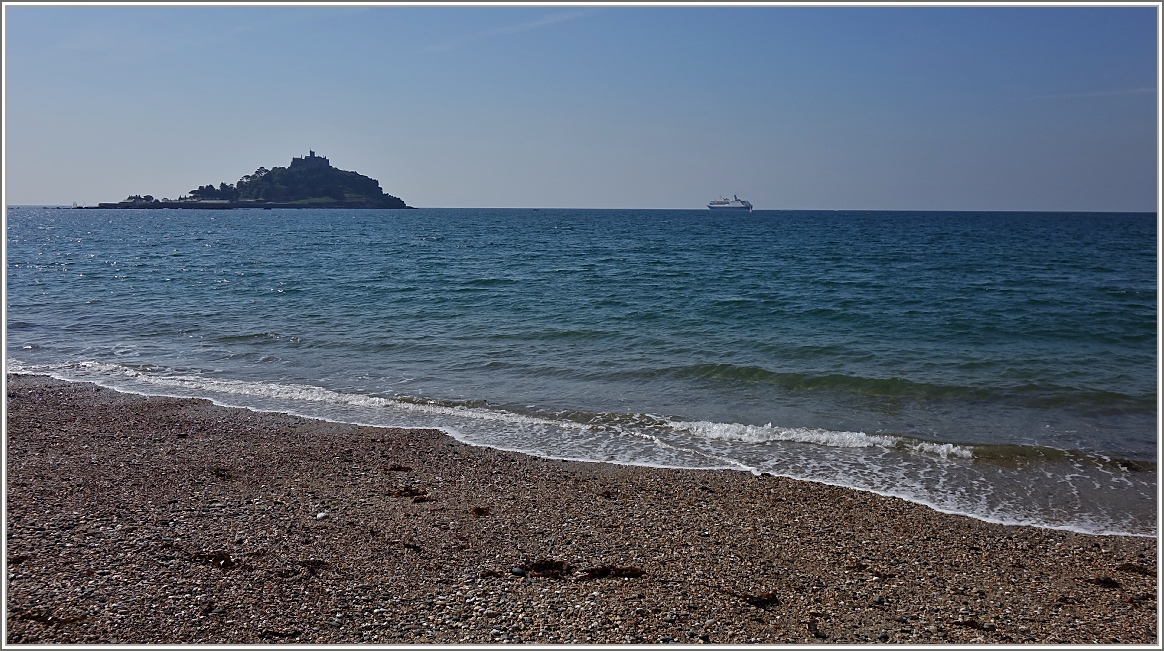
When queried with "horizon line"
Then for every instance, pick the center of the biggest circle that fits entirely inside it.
(67, 206)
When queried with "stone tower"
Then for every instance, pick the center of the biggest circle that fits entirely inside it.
(311, 161)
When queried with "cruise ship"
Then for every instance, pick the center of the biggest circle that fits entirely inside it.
(735, 203)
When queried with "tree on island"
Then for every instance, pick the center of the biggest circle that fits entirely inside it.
(223, 192)
(308, 180)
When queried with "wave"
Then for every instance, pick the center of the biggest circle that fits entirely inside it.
(623, 423)
(285, 392)
(1068, 490)
(248, 338)
(1026, 456)
(1030, 395)
(768, 433)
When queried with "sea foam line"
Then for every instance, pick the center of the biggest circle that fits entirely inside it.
(830, 438)
(308, 393)
(296, 392)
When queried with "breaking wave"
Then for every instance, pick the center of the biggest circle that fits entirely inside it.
(1066, 491)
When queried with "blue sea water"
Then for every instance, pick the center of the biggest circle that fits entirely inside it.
(998, 365)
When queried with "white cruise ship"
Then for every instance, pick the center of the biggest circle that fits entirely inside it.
(735, 203)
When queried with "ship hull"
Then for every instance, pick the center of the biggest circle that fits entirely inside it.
(731, 208)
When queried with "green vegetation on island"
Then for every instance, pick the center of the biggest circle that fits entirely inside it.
(309, 182)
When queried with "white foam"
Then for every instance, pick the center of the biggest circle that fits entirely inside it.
(765, 433)
(916, 471)
(943, 450)
(308, 393)
(830, 438)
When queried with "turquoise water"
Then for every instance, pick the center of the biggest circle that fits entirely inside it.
(1000, 365)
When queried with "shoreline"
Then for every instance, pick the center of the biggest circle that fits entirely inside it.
(171, 520)
(1035, 454)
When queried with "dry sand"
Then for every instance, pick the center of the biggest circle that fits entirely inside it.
(159, 520)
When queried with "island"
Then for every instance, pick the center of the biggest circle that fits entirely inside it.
(309, 182)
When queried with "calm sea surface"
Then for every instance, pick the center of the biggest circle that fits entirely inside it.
(999, 365)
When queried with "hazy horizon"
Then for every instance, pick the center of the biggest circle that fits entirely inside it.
(61, 205)
(941, 108)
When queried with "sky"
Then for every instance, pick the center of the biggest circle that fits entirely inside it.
(584, 106)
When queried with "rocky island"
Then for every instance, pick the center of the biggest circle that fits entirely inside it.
(309, 182)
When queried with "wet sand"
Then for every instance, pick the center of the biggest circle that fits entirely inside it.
(160, 520)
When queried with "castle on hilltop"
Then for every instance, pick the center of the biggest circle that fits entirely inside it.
(311, 161)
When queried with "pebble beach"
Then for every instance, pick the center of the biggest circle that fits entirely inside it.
(134, 519)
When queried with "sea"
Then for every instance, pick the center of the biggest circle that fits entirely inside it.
(998, 365)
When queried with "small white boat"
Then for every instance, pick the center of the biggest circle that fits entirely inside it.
(735, 203)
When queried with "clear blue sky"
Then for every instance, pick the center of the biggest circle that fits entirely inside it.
(915, 108)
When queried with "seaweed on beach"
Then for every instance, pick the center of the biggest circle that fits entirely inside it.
(409, 491)
(221, 473)
(1142, 597)
(51, 620)
(1136, 568)
(605, 571)
(548, 568)
(314, 565)
(762, 601)
(1104, 582)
